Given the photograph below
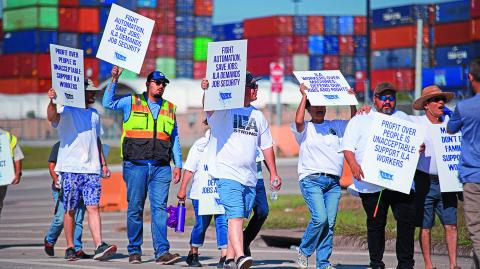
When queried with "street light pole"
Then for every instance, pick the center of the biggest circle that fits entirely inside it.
(367, 55)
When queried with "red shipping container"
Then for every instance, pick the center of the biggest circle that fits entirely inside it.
(91, 66)
(315, 25)
(475, 8)
(270, 46)
(68, 19)
(397, 37)
(300, 44)
(346, 45)
(360, 77)
(152, 46)
(147, 12)
(9, 86)
(165, 45)
(166, 5)
(331, 62)
(199, 70)
(452, 33)
(405, 79)
(148, 66)
(268, 26)
(260, 66)
(35, 65)
(359, 25)
(165, 22)
(10, 65)
(68, 3)
(1, 29)
(475, 29)
(24, 86)
(203, 8)
(88, 20)
(379, 76)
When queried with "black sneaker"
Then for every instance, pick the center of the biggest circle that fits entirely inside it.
(135, 258)
(244, 262)
(70, 254)
(82, 255)
(168, 258)
(48, 247)
(221, 262)
(230, 264)
(192, 260)
(104, 252)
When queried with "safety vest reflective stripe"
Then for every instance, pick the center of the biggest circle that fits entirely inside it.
(146, 134)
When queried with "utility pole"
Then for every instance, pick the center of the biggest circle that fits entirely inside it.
(367, 55)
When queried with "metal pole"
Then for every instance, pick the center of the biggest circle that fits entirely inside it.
(367, 55)
(279, 110)
(418, 63)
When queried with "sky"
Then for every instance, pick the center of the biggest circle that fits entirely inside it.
(228, 11)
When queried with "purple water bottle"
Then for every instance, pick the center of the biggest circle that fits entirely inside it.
(181, 210)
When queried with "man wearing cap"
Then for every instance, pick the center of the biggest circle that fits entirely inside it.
(466, 118)
(235, 136)
(428, 197)
(403, 206)
(80, 164)
(149, 139)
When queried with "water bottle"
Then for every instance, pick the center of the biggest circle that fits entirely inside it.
(274, 190)
(181, 210)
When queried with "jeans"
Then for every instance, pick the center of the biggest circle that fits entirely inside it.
(201, 224)
(56, 226)
(322, 195)
(154, 181)
(403, 208)
(260, 213)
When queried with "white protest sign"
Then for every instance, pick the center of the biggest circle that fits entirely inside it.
(7, 172)
(326, 88)
(125, 38)
(226, 71)
(391, 153)
(68, 80)
(208, 201)
(447, 155)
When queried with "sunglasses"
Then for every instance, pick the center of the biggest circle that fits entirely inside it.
(437, 99)
(158, 82)
(384, 98)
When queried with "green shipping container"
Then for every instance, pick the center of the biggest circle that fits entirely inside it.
(9, 4)
(127, 74)
(200, 48)
(30, 18)
(166, 66)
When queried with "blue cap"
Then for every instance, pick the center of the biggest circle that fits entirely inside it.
(157, 75)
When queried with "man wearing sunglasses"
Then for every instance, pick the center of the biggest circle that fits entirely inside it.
(149, 139)
(403, 206)
(428, 197)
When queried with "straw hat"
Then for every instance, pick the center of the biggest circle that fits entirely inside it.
(429, 92)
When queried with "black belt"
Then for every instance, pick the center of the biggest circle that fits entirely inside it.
(326, 175)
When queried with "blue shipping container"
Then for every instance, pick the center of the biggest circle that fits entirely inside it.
(147, 3)
(184, 48)
(69, 40)
(398, 58)
(105, 70)
(203, 26)
(184, 68)
(103, 14)
(184, 7)
(89, 3)
(453, 55)
(316, 62)
(330, 44)
(360, 43)
(401, 15)
(90, 43)
(185, 26)
(452, 11)
(347, 66)
(315, 45)
(300, 25)
(359, 63)
(345, 25)
(128, 4)
(330, 24)
(234, 31)
(446, 76)
(32, 41)
(350, 80)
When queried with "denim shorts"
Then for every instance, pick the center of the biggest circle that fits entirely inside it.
(236, 198)
(80, 187)
(429, 200)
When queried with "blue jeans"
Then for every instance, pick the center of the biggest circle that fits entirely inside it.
(321, 195)
(201, 224)
(260, 213)
(140, 180)
(56, 226)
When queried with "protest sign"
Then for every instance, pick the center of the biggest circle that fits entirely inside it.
(208, 201)
(326, 88)
(226, 71)
(391, 153)
(447, 155)
(125, 39)
(67, 75)
(7, 172)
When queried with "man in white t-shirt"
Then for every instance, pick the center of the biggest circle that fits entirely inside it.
(428, 196)
(80, 163)
(403, 206)
(236, 134)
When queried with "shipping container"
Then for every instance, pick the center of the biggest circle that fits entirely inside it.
(165, 22)
(203, 8)
(316, 25)
(185, 25)
(300, 62)
(103, 17)
(92, 3)
(30, 18)
(184, 68)
(331, 62)
(401, 15)
(69, 40)
(200, 48)
(398, 58)
(475, 8)
(268, 26)
(379, 76)
(360, 78)
(149, 65)
(405, 79)
(34, 66)
(452, 33)
(475, 29)
(330, 45)
(184, 7)
(345, 25)
(165, 45)
(346, 45)
(359, 63)
(11, 4)
(88, 20)
(231, 31)
(350, 80)
(105, 70)
(452, 11)
(29, 41)
(397, 37)
(184, 48)
(360, 43)
(445, 76)
(203, 26)
(300, 25)
(199, 70)
(147, 12)
(68, 19)
(128, 4)
(166, 5)
(455, 55)
(347, 65)
(316, 62)
(260, 66)
(68, 3)
(270, 46)
(24, 86)
(166, 65)
(147, 3)
(90, 43)
(315, 45)
(330, 25)
(10, 65)
(92, 69)
(300, 44)
(359, 25)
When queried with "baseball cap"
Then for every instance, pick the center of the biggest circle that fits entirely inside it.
(383, 87)
(250, 79)
(157, 75)
(89, 86)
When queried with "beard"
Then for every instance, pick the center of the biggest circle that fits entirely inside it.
(158, 95)
(387, 110)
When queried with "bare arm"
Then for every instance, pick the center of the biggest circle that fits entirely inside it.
(51, 170)
(269, 156)
(300, 114)
(18, 172)
(103, 161)
(205, 85)
(182, 192)
(52, 114)
(354, 166)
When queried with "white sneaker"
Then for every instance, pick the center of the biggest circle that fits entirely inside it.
(302, 260)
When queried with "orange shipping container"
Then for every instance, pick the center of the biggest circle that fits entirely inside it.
(452, 33)
(315, 25)
(203, 8)
(88, 20)
(397, 37)
(268, 26)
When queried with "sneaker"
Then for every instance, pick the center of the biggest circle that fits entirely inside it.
(221, 262)
(230, 264)
(244, 262)
(135, 258)
(48, 247)
(302, 260)
(104, 252)
(82, 255)
(70, 254)
(168, 258)
(192, 260)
